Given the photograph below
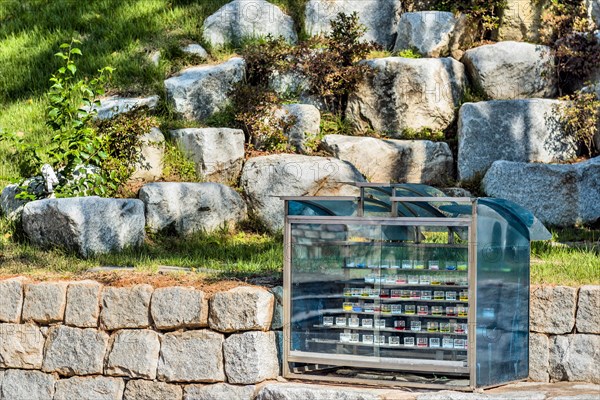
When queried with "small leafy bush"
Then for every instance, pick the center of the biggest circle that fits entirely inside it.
(332, 63)
(88, 158)
(580, 119)
(409, 53)
(567, 30)
(177, 166)
(484, 14)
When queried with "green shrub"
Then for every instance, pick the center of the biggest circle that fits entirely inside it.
(89, 158)
(484, 14)
(409, 53)
(332, 63)
(177, 166)
(580, 119)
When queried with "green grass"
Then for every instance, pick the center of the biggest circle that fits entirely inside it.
(119, 33)
(248, 254)
(236, 255)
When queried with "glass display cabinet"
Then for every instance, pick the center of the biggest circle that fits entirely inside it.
(404, 286)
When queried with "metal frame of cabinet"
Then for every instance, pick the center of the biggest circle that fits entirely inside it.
(302, 364)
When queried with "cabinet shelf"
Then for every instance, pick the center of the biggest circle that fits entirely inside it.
(401, 285)
(391, 330)
(386, 346)
(388, 315)
(379, 299)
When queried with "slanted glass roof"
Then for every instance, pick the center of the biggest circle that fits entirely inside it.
(402, 200)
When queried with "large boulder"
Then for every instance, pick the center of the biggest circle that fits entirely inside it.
(561, 195)
(264, 178)
(388, 160)
(407, 94)
(217, 152)
(86, 225)
(199, 92)
(112, 106)
(186, 208)
(513, 130)
(512, 70)
(10, 206)
(520, 20)
(152, 151)
(241, 19)
(432, 33)
(305, 124)
(380, 17)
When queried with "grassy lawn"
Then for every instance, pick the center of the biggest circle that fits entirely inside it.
(244, 255)
(119, 33)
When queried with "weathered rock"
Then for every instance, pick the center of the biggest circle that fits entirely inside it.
(512, 70)
(83, 304)
(588, 309)
(295, 391)
(133, 353)
(241, 19)
(575, 358)
(277, 321)
(559, 195)
(240, 309)
(512, 130)
(552, 309)
(11, 296)
(179, 307)
(380, 17)
(381, 160)
(21, 346)
(407, 94)
(196, 50)
(431, 33)
(539, 357)
(74, 351)
(217, 152)
(152, 151)
(96, 388)
(199, 92)
(30, 385)
(306, 124)
(293, 84)
(10, 206)
(145, 390)
(192, 356)
(186, 208)
(520, 21)
(250, 357)
(45, 302)
(218, 391)
(265, 177)
(112, 106)
(593, 7)
(125, 307)
(87, 225)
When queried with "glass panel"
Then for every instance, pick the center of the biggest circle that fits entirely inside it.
(309, 207)
(502, 298)
(384, 292)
